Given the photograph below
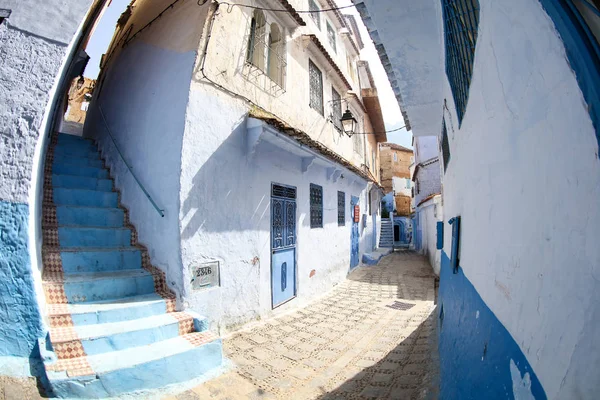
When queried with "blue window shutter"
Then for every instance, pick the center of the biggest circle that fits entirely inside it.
(440, 235)
(455, 222)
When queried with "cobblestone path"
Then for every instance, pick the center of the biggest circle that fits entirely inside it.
(373, 336)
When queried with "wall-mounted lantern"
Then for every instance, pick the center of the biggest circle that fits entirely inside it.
(348, 123)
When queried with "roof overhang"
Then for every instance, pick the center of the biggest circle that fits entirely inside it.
(373, 107)
(291, 19)
(263, 127)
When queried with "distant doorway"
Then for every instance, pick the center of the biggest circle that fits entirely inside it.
(397, 234)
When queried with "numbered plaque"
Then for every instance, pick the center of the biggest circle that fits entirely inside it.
(205, 275)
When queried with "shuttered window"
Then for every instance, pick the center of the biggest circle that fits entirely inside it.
(341, 208)
(461, 21)
(316, 206)
(316, 87)
(336, 109)
(316, 12)
(331, 37)
(445, 145)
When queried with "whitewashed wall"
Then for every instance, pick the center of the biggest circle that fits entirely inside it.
(401, 186)
(525, 158)
(430, 213)
(429, 181)
(425, 148)
(225, 214)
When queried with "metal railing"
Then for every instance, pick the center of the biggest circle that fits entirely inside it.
(158, 209)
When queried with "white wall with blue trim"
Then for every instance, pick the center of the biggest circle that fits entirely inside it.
(519, 317)
(33, 52)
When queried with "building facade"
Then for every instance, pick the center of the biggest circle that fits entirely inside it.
(510, 91)
(395, 177)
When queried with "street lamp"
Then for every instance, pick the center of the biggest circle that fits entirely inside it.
(348, 123)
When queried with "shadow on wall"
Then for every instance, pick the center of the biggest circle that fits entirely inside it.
(409, 371)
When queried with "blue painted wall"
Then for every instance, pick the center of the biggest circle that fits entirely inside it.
(475, 348)
(20, 320)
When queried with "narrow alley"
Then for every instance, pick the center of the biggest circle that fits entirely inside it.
(370, 337)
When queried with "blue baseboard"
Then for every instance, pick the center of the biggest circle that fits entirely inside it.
(476, 350)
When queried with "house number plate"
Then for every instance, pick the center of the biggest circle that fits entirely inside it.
(205, 275)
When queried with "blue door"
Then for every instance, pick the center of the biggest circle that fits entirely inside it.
(354, 235)
(283, 243)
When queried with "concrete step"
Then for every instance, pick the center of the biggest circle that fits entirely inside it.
(85, 197)
(77, 260)
(147, 367)
(114, 336)
(89, 216)
(109, 311)
(79, 170)
(77, 236)
(81, 182)
(98, 286)
(67, 138)
(75, 160)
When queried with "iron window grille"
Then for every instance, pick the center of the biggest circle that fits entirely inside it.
(315, 12)
(273, 43)
(257, 40)
(336, 109)
(331, 36)
(285, 192)
(316, 206)
(316, 87)
(445, 145)
(461, 21)
(341, 208)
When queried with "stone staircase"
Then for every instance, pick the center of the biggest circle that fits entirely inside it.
(386, 238)
(113, 324)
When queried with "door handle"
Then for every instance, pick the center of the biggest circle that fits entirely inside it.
(283, 276)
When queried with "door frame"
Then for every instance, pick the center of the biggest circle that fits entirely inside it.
(295, 247)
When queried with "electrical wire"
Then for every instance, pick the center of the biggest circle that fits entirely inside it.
(231, 5)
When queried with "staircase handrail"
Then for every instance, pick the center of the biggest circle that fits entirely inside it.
(160, 211)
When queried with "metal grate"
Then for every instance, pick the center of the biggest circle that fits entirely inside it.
(257, 40)
(316, 87)
(316, 206)
(286, 192)
(398, 305)
(461, 21)
(336, 109)
(341, 208)
(316, 12)
(331, 36)
(445, 145)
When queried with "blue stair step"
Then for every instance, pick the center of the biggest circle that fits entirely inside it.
(74, 160)
(69, 236)
(74, 152)
(67, 138)
(107, 311)
(85, 197)
(114, 336)
(79, 170)
(77, 260)
(82, 182)
(97, 286)
(149, 367)
(89, 216)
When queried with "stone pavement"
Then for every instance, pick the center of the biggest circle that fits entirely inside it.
(373, 336)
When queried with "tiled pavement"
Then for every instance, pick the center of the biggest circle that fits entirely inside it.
(373, 336)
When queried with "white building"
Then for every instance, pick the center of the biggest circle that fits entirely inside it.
(510, 88)
(218, 110)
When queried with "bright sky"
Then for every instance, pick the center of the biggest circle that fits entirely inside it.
(391, 111)
(102, 36)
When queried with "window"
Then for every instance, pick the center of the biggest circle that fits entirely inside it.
(336, 109)
(445, 145)
(341, 208)
(357, 143)
(315, 12)
(316, 206)
(256, 41)
(461, 20)
(369, 203)
(373, 159)
(276, 56)
(395, 157)
(316, 87)
(407, 183)
(331, 36)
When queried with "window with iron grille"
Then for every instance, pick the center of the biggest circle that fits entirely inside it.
(257, 41)
(336, 109)
(445, 145)
(315, 12)
(316, 206)
(341, 208)
(331, 36)
(316, 87)
(461, 21)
